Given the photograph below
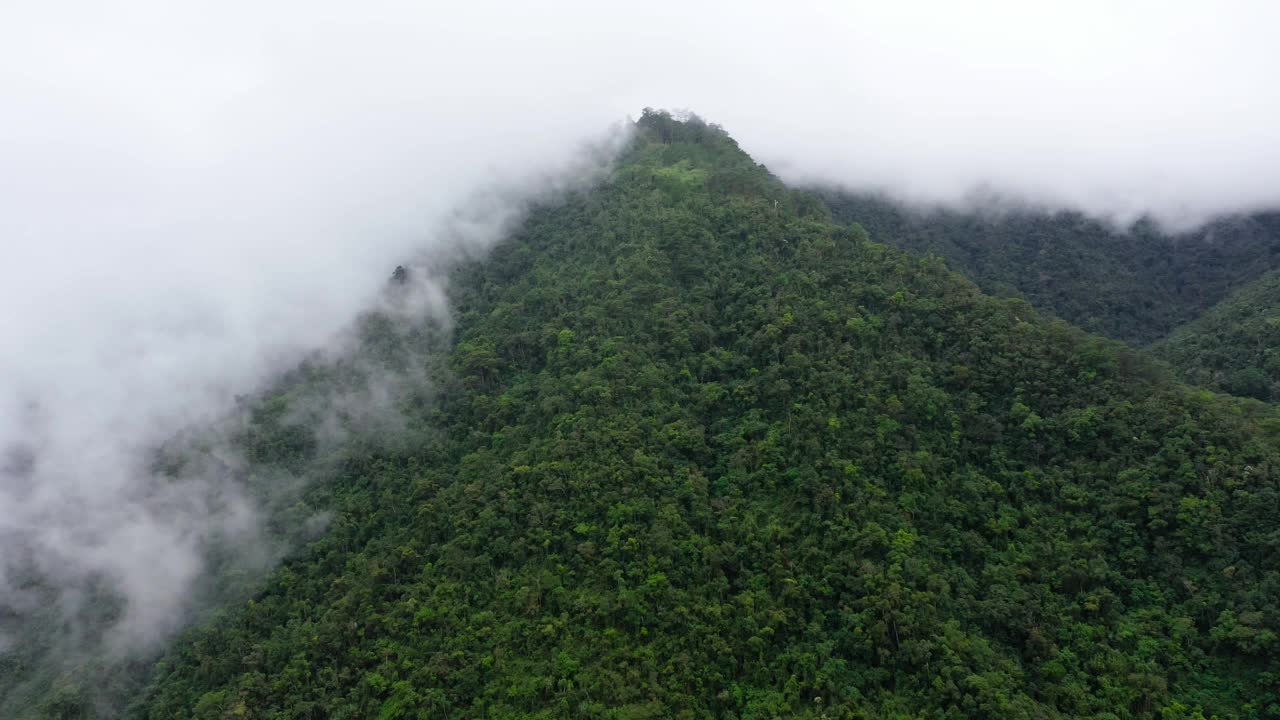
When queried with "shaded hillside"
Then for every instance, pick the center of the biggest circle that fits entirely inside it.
(703, 454)
(1137, 285)
(1235, 346)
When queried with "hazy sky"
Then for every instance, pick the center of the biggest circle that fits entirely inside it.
(192, 193)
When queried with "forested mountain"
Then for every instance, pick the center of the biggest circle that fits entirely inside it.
(692, 450)
(1235, 346)
(1136, 285)
(701, 453)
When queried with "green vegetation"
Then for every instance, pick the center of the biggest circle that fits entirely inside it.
(1136, 285)
(1235, 346)
(1208, 301)
(700, 453)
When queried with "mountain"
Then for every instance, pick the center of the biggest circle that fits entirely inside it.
(1136, 285)
(692, 450)
(1235, 346)
(702, 453)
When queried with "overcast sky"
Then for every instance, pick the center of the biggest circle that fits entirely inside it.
(193, 193)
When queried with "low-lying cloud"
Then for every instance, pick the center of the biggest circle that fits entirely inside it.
(195, 195)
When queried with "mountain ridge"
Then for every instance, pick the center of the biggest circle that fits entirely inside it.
(1235, 345)
(1137, 284)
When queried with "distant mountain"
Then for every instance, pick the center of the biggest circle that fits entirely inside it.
(1135, 285)
(698, 452)
(1235, 346)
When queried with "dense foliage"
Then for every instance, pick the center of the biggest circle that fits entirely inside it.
(1235, 346)
(703, 454)
(1135, 285)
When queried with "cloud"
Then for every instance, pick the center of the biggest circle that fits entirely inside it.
(195, 195)
(1114, 108)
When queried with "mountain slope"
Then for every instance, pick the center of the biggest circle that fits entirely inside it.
(1136, 285)
(1235, 346)
(704, 454)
